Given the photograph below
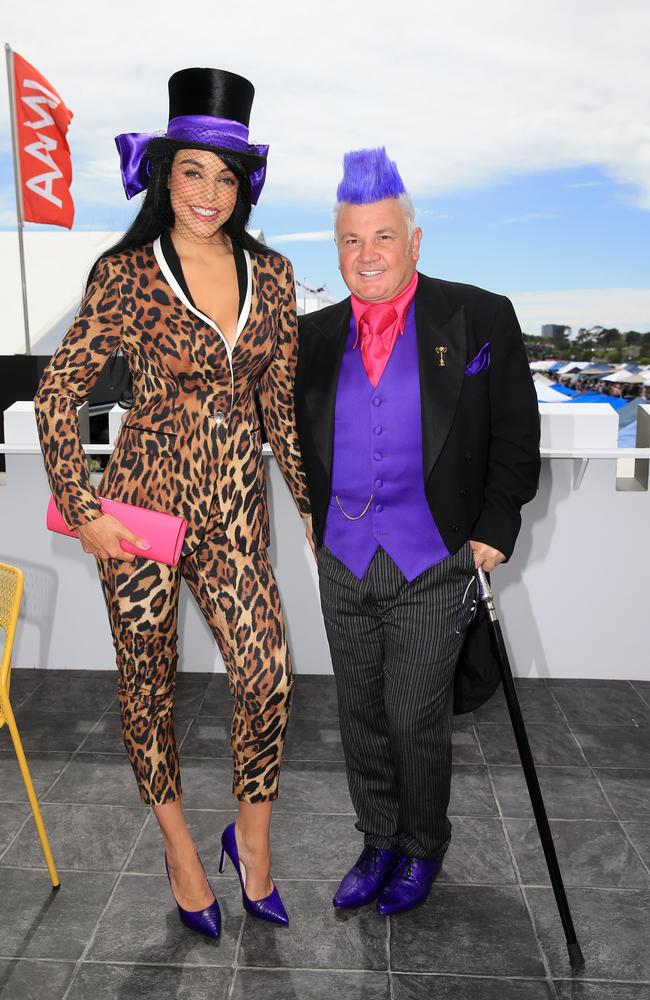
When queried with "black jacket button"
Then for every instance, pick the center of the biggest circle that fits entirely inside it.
(463, 492)
(455, 527)
(468, 455)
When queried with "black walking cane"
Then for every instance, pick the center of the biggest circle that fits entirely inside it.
(528, 764)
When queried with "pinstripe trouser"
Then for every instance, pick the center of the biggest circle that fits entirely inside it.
(394, 648)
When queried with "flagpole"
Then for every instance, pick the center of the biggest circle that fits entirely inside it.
(19, 188)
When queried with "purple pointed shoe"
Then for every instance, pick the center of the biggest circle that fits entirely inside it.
(207, 921)
(366, 878)
(409, 884)
(270, 908)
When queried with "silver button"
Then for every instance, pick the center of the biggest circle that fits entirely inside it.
(219, 417)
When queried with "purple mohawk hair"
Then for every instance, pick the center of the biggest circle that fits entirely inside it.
(368, 175)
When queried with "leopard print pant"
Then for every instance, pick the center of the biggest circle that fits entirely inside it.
(238, 597)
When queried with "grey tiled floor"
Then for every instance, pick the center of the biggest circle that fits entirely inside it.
(489, 930)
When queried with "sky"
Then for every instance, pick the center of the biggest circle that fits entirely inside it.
(521, 130)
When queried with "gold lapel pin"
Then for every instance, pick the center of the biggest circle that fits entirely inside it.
(441, 351)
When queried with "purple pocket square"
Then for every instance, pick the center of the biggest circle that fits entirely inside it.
(481, 362)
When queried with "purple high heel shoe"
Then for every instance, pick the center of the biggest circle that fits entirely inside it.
(207, 921)
(271, 907)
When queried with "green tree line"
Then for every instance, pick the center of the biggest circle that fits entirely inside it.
(595, 344)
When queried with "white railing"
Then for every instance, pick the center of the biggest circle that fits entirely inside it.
(107, 449)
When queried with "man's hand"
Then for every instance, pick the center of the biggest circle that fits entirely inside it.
(485, 556)
(309, 531)
(101, 537)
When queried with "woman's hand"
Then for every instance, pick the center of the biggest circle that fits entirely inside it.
(309, 531)
(101, 537)
(485, 556)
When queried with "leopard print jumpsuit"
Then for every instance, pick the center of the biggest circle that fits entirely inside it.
(191, 445)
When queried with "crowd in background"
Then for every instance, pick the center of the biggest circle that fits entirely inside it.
(595, 384)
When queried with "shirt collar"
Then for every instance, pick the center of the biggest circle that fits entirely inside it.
(400, 303)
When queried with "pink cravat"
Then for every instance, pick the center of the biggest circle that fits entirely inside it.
(378, 327)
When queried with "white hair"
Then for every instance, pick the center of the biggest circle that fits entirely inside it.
(405, 201)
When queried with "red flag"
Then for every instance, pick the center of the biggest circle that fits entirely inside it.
(45, 165)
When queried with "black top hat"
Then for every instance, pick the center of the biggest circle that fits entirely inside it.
(214, 92)
(211, 93)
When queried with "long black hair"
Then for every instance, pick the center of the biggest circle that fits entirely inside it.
(156, 213)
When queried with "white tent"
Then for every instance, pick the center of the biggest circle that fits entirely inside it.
(57, 266)
(597, 370)
(624, 376)
(572, 367)
(545, 394)
(542, 366)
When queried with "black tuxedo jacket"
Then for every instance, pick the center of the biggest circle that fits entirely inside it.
(480, 433)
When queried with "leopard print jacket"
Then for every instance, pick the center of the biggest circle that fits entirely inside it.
(192, 438)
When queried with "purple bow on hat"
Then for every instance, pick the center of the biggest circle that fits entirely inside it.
(221, 132)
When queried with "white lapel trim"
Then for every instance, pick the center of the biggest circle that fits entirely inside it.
(246, 308)
(178, 291)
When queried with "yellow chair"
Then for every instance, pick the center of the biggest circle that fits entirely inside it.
(11, 591)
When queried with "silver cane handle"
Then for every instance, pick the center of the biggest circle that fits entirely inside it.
(486, 594)
(483, 584)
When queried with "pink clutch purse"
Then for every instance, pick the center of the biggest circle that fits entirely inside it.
(164, 532)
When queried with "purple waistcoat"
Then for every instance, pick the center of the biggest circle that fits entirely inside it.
(378, 452)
